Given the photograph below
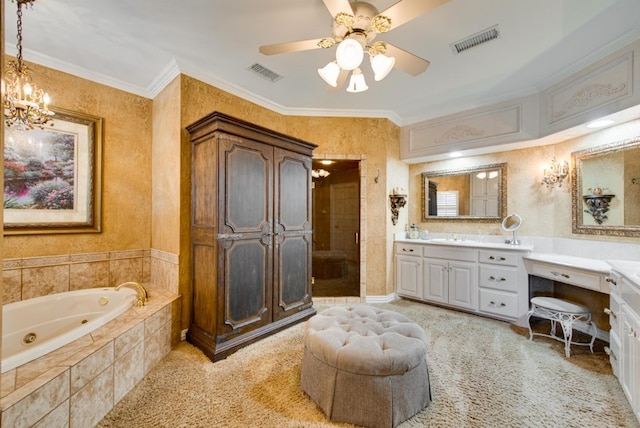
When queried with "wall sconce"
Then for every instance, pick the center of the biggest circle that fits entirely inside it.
(556, 173)
(398, 200)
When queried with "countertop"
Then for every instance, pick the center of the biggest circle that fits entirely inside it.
(584, 263)
(467, 243)
(627, 268)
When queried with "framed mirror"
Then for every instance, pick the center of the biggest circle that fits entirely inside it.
(605, 191)
(471, 194)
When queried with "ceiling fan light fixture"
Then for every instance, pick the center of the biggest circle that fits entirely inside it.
(357, 83)
(330, 73)
(382, 65)
(349, 54)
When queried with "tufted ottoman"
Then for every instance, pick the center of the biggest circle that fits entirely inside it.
(365, 366)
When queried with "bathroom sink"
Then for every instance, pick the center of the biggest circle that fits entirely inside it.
(453, 241)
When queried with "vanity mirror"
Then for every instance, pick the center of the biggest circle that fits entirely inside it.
(606, 189)
(472, 194)
(512, 224)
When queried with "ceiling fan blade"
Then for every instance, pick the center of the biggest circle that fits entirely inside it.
(406, 61)
(337, 6)
(342, 78)
(301, 45)
(406, 10)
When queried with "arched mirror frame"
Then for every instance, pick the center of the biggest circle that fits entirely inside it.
(577, 204)
(502, 193)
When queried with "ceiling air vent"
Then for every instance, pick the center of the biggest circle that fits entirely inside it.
(264, 72)
(475, 40)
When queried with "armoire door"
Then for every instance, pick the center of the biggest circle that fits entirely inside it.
(292, 234)
(245, 236)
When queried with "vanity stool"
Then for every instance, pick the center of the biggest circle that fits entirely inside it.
(365, 366)
(567, 314)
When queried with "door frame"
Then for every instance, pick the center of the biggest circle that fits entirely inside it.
(362, 239)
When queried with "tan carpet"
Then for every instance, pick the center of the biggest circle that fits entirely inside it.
(485, 373)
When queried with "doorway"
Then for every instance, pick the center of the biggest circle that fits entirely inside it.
(336, 228)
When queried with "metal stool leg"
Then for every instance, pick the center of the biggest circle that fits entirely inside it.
(567, 331)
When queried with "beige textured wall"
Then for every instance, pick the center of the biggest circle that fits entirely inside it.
(378, 139)
(545, 212)
(126, 157)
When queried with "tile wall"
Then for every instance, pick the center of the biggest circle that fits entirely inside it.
(76, 385)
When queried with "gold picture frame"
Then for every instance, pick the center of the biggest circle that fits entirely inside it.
(53, 176)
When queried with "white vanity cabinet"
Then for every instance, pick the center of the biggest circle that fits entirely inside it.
(449, 277)
(409, 270)
(624, 345)
(488, 279)
(499, 275)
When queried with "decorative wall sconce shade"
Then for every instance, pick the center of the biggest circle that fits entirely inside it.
(555, 174)
(598, 206)
(25, 106)
(397, 200)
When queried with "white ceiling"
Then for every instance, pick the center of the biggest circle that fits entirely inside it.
(138, 46)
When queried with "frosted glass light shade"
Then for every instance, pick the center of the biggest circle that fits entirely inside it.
(330, 73)
(357, 83)
(382, 65)
(349, 54)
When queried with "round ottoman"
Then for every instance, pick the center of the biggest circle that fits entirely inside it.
(365, 366)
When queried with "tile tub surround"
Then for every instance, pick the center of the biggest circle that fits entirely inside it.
(24, 278)
(76, 385)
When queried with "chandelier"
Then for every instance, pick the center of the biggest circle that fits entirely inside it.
(25, 106)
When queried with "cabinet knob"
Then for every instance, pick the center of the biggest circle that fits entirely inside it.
(408, 250)
(611, 280)
(564, 275)
(610, 312)
(497, 258)
(493, 278)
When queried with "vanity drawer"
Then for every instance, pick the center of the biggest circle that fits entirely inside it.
(450, 253)
(499, 303)
(567, 275)
(498, 277)
(499, 257)
(408, 249)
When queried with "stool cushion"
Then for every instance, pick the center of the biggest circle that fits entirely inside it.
(559, 305)
(365, 366)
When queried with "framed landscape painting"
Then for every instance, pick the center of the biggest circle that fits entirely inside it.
(52, 176)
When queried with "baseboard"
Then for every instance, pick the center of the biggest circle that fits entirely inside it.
(381, 299)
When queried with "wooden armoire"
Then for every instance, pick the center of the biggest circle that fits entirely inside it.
(251, 236)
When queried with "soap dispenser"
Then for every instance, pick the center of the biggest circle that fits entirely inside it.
(414, 233)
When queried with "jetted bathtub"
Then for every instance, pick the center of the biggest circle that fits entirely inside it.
(34, 327)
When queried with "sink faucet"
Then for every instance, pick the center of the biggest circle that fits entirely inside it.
(143, 294)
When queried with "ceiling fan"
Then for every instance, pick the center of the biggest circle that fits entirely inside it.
(355, 27)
